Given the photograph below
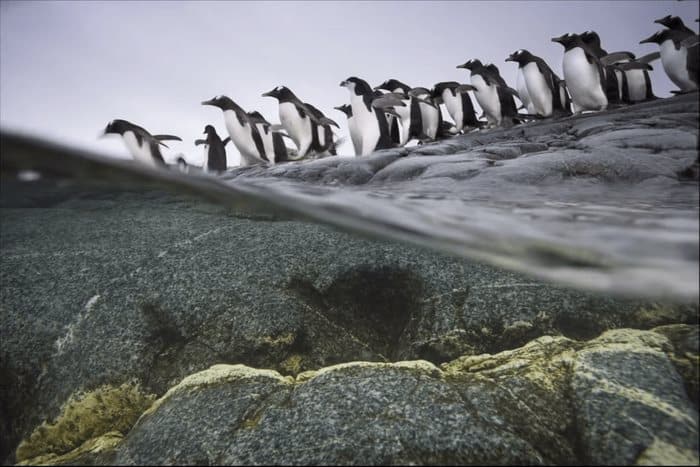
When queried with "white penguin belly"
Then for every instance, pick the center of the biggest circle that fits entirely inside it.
(430, 117)
(367, 125)
(242, 139)
(538, 90)
(487, 96)
(675, 65)
(268, 143)
(636, 85)
(453, 104)
(298, 128)
(354, 137)
(205, 159)
(523, 92)
(140, 152)
(583, 80)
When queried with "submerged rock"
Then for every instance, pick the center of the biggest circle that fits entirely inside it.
(615, 399)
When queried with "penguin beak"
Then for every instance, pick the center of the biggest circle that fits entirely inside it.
(510, 59)
(559, 39)
(463, 65)
(648, 40)
(209, 102)
(343, 84)
(269, 94)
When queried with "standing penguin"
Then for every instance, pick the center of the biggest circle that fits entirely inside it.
(494, 97)
(612, 86)
(371, 123)
(458, 104)
(215, 150)
(431, 117)
(142, 145)
(583, 73)
(633, 78)
(243, 132)
(411, 117)
(674, 22)
(352, 127)
(275, 149)
(680, 61)
(296, 118)
(543, 86)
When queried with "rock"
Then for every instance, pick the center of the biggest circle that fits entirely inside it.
(552, 401)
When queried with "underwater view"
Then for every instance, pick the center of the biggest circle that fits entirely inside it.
(477, 287)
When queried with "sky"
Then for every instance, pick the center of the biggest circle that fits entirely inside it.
(67, 68)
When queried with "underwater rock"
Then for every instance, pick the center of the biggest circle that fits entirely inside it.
(615, 399)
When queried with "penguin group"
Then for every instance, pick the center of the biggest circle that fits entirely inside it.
(393, 113)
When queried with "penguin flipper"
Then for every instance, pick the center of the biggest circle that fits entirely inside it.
(226, 140)
(648, 58)
(690, 41)
(464, 88)
(611, 58)
(197, 142)
(167, 138)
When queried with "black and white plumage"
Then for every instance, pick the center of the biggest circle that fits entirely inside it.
(408, 111)
(492, 93)
(352, 127)
(214, 150)
(372, 125)
(584, 74)
(612, 85)
(680, 61)
(243, 132)
(143, 146)
(545, 90)
(272, 137)
(458, 103)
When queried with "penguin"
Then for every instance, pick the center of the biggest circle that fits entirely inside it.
(524, 94)
(371, 123)
(492, 93)
(680, 62)
(322, 137)
(215, 150)
(182, 165)
(584, 74)
(612, 85)
(143, 146)
(296, 119)
(675, 23)
(542, 85)
(272, 137)
(411, 118)
(431, 117)
(352, 127)
(458, 104)
(243, 132)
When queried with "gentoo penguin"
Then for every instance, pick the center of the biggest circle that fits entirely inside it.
(680, 62)
(494, 97)
(584, 75)
(612, 86)
(352, 127)
(295, 118)
(242, 130)
(633, 78)
(272, 137)
(214, 149)
(674, 22)
(142, 145)
(458, 104)
(371, 123)
(541, 84)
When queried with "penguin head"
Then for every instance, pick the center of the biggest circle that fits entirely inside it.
(222, 102)
(118, 127)
(471, 64)
(671, 22)
(357, 85)
(568, 40)
(392, 85)
(281, 93)
(590, 37)
(521, 56)
(346, 109)
(439, 88)
(209, 130)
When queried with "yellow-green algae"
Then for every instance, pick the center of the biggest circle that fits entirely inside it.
(416, 366)
(106, 442)
(84, 416)
(663, 453)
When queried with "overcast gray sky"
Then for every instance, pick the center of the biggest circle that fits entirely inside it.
(68, 68)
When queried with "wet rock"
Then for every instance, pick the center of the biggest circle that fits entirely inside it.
(615, 399)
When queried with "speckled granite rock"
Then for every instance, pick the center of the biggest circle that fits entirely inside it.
(613, 400)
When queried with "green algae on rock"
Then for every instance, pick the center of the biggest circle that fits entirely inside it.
(85, 416)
